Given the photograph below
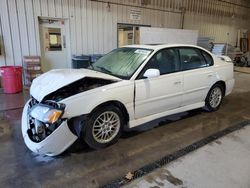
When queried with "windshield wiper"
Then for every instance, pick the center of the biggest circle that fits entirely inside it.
(90, 66)
(104, 69)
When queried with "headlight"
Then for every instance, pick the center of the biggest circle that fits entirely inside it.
(45, 114)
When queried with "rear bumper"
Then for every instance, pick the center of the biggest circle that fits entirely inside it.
(54, 144)
(229, 86)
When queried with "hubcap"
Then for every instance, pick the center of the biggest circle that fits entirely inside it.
(215, 97)
(106, 127)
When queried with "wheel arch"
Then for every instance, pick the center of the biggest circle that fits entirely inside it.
(76, 124)
(117, 104)
(222, 83)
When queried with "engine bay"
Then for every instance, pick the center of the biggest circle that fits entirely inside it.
(74, 88)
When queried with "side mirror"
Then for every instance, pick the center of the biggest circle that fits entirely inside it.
(151, 73)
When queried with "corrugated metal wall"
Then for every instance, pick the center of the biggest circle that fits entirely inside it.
(93, 25)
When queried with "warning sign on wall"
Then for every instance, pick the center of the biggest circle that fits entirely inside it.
(135, 14)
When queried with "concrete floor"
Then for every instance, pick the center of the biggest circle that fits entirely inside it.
(224, 163)
(82, 167)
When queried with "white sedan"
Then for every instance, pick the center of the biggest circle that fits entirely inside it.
(127, 87)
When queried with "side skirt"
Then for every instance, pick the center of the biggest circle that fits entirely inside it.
(146, 119)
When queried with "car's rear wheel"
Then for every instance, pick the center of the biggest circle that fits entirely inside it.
(103, 127)
(214, 97)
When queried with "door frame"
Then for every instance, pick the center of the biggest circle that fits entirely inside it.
(129, 25)
(67, 37)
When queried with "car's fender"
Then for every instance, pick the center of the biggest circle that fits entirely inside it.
(225, 72)
(84, 103)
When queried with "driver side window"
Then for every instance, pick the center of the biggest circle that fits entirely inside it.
(166, 61)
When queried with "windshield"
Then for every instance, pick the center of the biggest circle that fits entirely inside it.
(121, 62)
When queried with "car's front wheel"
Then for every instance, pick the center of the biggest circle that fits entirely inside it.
(214, 97)
(103, 127)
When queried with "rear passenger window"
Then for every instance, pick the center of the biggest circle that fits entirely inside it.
(208, 58)
(191, 58)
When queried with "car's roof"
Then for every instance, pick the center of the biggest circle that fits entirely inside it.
(159, 46)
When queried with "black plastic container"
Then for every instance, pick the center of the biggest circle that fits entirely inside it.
(82, 61)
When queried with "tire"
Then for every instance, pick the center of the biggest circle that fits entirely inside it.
(98, 131)
(214, 98)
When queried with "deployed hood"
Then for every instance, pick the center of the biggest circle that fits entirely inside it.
(56, 79)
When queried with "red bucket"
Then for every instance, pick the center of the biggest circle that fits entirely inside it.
(12, 79)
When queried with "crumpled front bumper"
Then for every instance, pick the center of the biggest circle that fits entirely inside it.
(56, 143)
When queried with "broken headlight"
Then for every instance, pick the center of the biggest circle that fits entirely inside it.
(46, 114)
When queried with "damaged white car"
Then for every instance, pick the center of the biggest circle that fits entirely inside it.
(129, 86)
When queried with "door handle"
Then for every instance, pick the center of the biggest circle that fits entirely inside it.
(64, 41)
(177, 83)
(210, 75)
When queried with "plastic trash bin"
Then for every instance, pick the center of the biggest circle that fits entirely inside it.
(12, 79)
(95, 57)
(82, 61)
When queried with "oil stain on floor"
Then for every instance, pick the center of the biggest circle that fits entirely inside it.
(4, 130)
(163, 175)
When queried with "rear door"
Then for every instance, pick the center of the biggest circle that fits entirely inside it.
(198, 74)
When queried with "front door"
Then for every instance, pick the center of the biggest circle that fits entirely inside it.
(162, 93)
(53, 44)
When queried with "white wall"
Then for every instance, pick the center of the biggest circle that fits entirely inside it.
(222, 29)
(155, 35)
(93, 26)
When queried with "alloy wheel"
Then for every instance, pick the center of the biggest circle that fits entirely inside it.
(215, 97)
(106, 127)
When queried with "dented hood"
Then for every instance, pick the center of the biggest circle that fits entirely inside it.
(55, 79)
